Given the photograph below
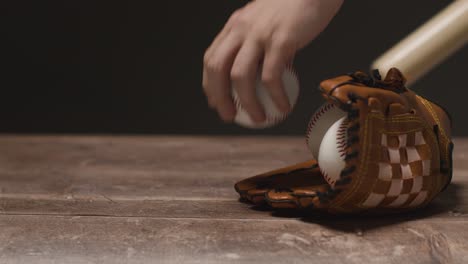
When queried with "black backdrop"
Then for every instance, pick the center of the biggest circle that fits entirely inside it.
(96, 66)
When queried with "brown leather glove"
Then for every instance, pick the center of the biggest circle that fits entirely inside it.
(396, 157)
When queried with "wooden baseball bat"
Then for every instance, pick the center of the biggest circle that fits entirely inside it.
(428, 45)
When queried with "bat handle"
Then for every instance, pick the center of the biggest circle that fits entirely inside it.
(428, 45)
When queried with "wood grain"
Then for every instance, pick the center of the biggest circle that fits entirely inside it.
(138, 199)
(46, 239)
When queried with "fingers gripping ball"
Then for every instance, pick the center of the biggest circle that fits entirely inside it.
(273, 115)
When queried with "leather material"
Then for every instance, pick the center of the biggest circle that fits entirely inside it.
(398, 153)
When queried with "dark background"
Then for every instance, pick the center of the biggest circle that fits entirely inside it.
(135, 66)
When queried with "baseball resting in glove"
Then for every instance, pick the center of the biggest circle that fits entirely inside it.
(389, 151)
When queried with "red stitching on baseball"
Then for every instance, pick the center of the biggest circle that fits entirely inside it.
(327, 178)
(341, 138)
(317, 115)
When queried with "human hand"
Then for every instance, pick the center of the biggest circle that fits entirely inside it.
(268, 31)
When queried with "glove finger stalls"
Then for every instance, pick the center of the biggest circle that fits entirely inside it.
(245, 185)
(256, 196)
(253, 189)
(281, 199)
(358, 86)
(300, 197)
(250, 189)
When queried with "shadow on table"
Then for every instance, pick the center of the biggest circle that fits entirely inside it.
(445, 204)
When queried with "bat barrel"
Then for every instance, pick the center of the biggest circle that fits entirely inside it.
(429, 45)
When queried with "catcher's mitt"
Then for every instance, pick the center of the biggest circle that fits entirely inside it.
(396, 157)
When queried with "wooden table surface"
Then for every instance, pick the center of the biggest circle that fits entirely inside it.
(170, 199)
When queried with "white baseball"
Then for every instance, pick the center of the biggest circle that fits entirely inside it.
(319, 124)
(332, 151)
(273, 114)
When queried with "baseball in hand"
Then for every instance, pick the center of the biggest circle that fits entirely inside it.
(273, 115)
